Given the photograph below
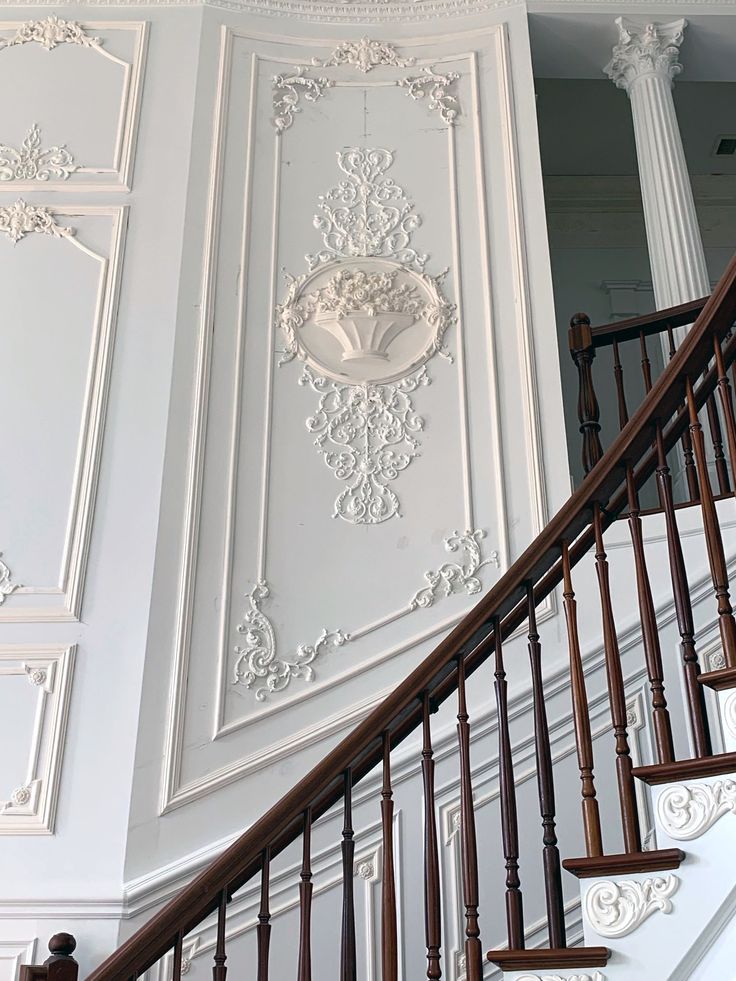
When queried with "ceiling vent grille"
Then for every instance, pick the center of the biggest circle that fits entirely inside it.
(725, 146)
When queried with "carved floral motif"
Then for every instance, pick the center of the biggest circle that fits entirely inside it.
(259, 664)
(50, 32)
(20, 219)
(32, 163)
(435, 85)
(365, 55)
(287, 93)
(36, 676)
(456, 577)
(7, 586)
(615, 909)
(687, 811)
(20, 796)
(651, 49)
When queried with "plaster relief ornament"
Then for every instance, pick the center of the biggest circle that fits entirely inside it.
(21, 219)
(687, 811)
(456, 577)
(287, 92)
(645, 49)
(32, 163)
(365, 55)
(615, 909)
(431, 83)
(50, 32)
(558, 977)
(7, 586)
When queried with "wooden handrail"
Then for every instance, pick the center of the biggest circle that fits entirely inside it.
(506, 606)
(656, 322)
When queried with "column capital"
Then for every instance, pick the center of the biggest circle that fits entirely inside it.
(644, 50)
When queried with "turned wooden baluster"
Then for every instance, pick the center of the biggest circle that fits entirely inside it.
(713, 540)
(545, 783)
(348, 962)
(306, 888)
(263, 930)
(646, 364)
(724, 392)
(687, 447)
(219, 971)
(389, 940)
(624, 777)
(683, 607)
(468, 845)
(716, 437)
(432, 917)
(509, 821)
(582, 350)
(618, 372)
(581, 715)
(649, 630)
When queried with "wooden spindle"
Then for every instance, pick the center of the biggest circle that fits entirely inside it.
(649, 629)
(306, 887)
(716, 438)
(178, 958)
(713, 540)
(389, 938)
(687, 449)
(509, 819)
(348, 961)
(618, 373)
(581, 716)
(683, 607)
(580, 339)
(468, 844)
(432, 913)
(219, 971)
(725, 395)
(646, 364)
(263, 930)
(546, 787)
(617, 697)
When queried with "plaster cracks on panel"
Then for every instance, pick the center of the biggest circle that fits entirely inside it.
(686, 811)
(431, 83)
(21, 219)
(456, 577)
(365, 55)
(287, 92)
(32, 162)
(7, 586)
(616, 908)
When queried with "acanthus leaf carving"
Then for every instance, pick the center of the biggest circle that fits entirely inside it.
(50, 32)
(7, 586)
(21, 219)
(645, 49)
(287, 93)
(436, 86)
(688, 811)
(32, 163)
(365, 55)
(615, 909)
(456, 577)
(258, 663)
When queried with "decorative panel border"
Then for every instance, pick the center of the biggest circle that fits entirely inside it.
(30, 808)
(32, 165)
(13, 953)
(16, 222)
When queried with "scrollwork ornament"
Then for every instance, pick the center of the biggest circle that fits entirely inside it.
(456, 577)
(50, 32)
(687, 811)
(258, 664)
(287, 93)
(32, 163)
(615, 909)
(434, 85)
(558, 977)
(21, 219)
(7, 586)
(365, 55)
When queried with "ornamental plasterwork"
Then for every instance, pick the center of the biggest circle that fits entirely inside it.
(435, 86)
(558, 977)
(688, 811)
(615, 909)
(456, 577)
(365, 55)
(258, 663)
(288, 90)
(651, 49)
(7, 586)
(717, 661)
(21, 219)
(32, 163)
(50, 32)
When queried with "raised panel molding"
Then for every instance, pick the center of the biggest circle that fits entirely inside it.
(62, 600)
(13, 953)
(30, 163)
(29, 807)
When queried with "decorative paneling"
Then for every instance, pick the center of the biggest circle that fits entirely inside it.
(13, 953)
(72, 122)
(35, 688)
(59, 277)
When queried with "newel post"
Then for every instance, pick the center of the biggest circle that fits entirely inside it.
(60, 966)
(580, 338)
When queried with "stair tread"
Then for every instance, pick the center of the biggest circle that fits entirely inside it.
(651, 861)
(706, 766)
(719, 680)
(543, 957)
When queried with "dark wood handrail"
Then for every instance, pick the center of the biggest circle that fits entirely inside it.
(651, 323)
(535, 574)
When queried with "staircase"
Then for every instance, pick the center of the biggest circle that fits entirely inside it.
(677, 449)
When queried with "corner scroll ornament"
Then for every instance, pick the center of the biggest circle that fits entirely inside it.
(287, 92)
(50, 32)
(32, 163)
(21, 219)
(259, 664)
(436, 86)
(615, 909)
(7, 586)
(688, 811)
(365, 55)
(456, 577)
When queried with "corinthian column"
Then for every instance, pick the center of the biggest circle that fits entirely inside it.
(645, 63)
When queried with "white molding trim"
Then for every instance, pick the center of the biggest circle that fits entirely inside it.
(73, 561)
(115, 175)
(14, 953)
(30, 809)
(616, 907)
(687, 810)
